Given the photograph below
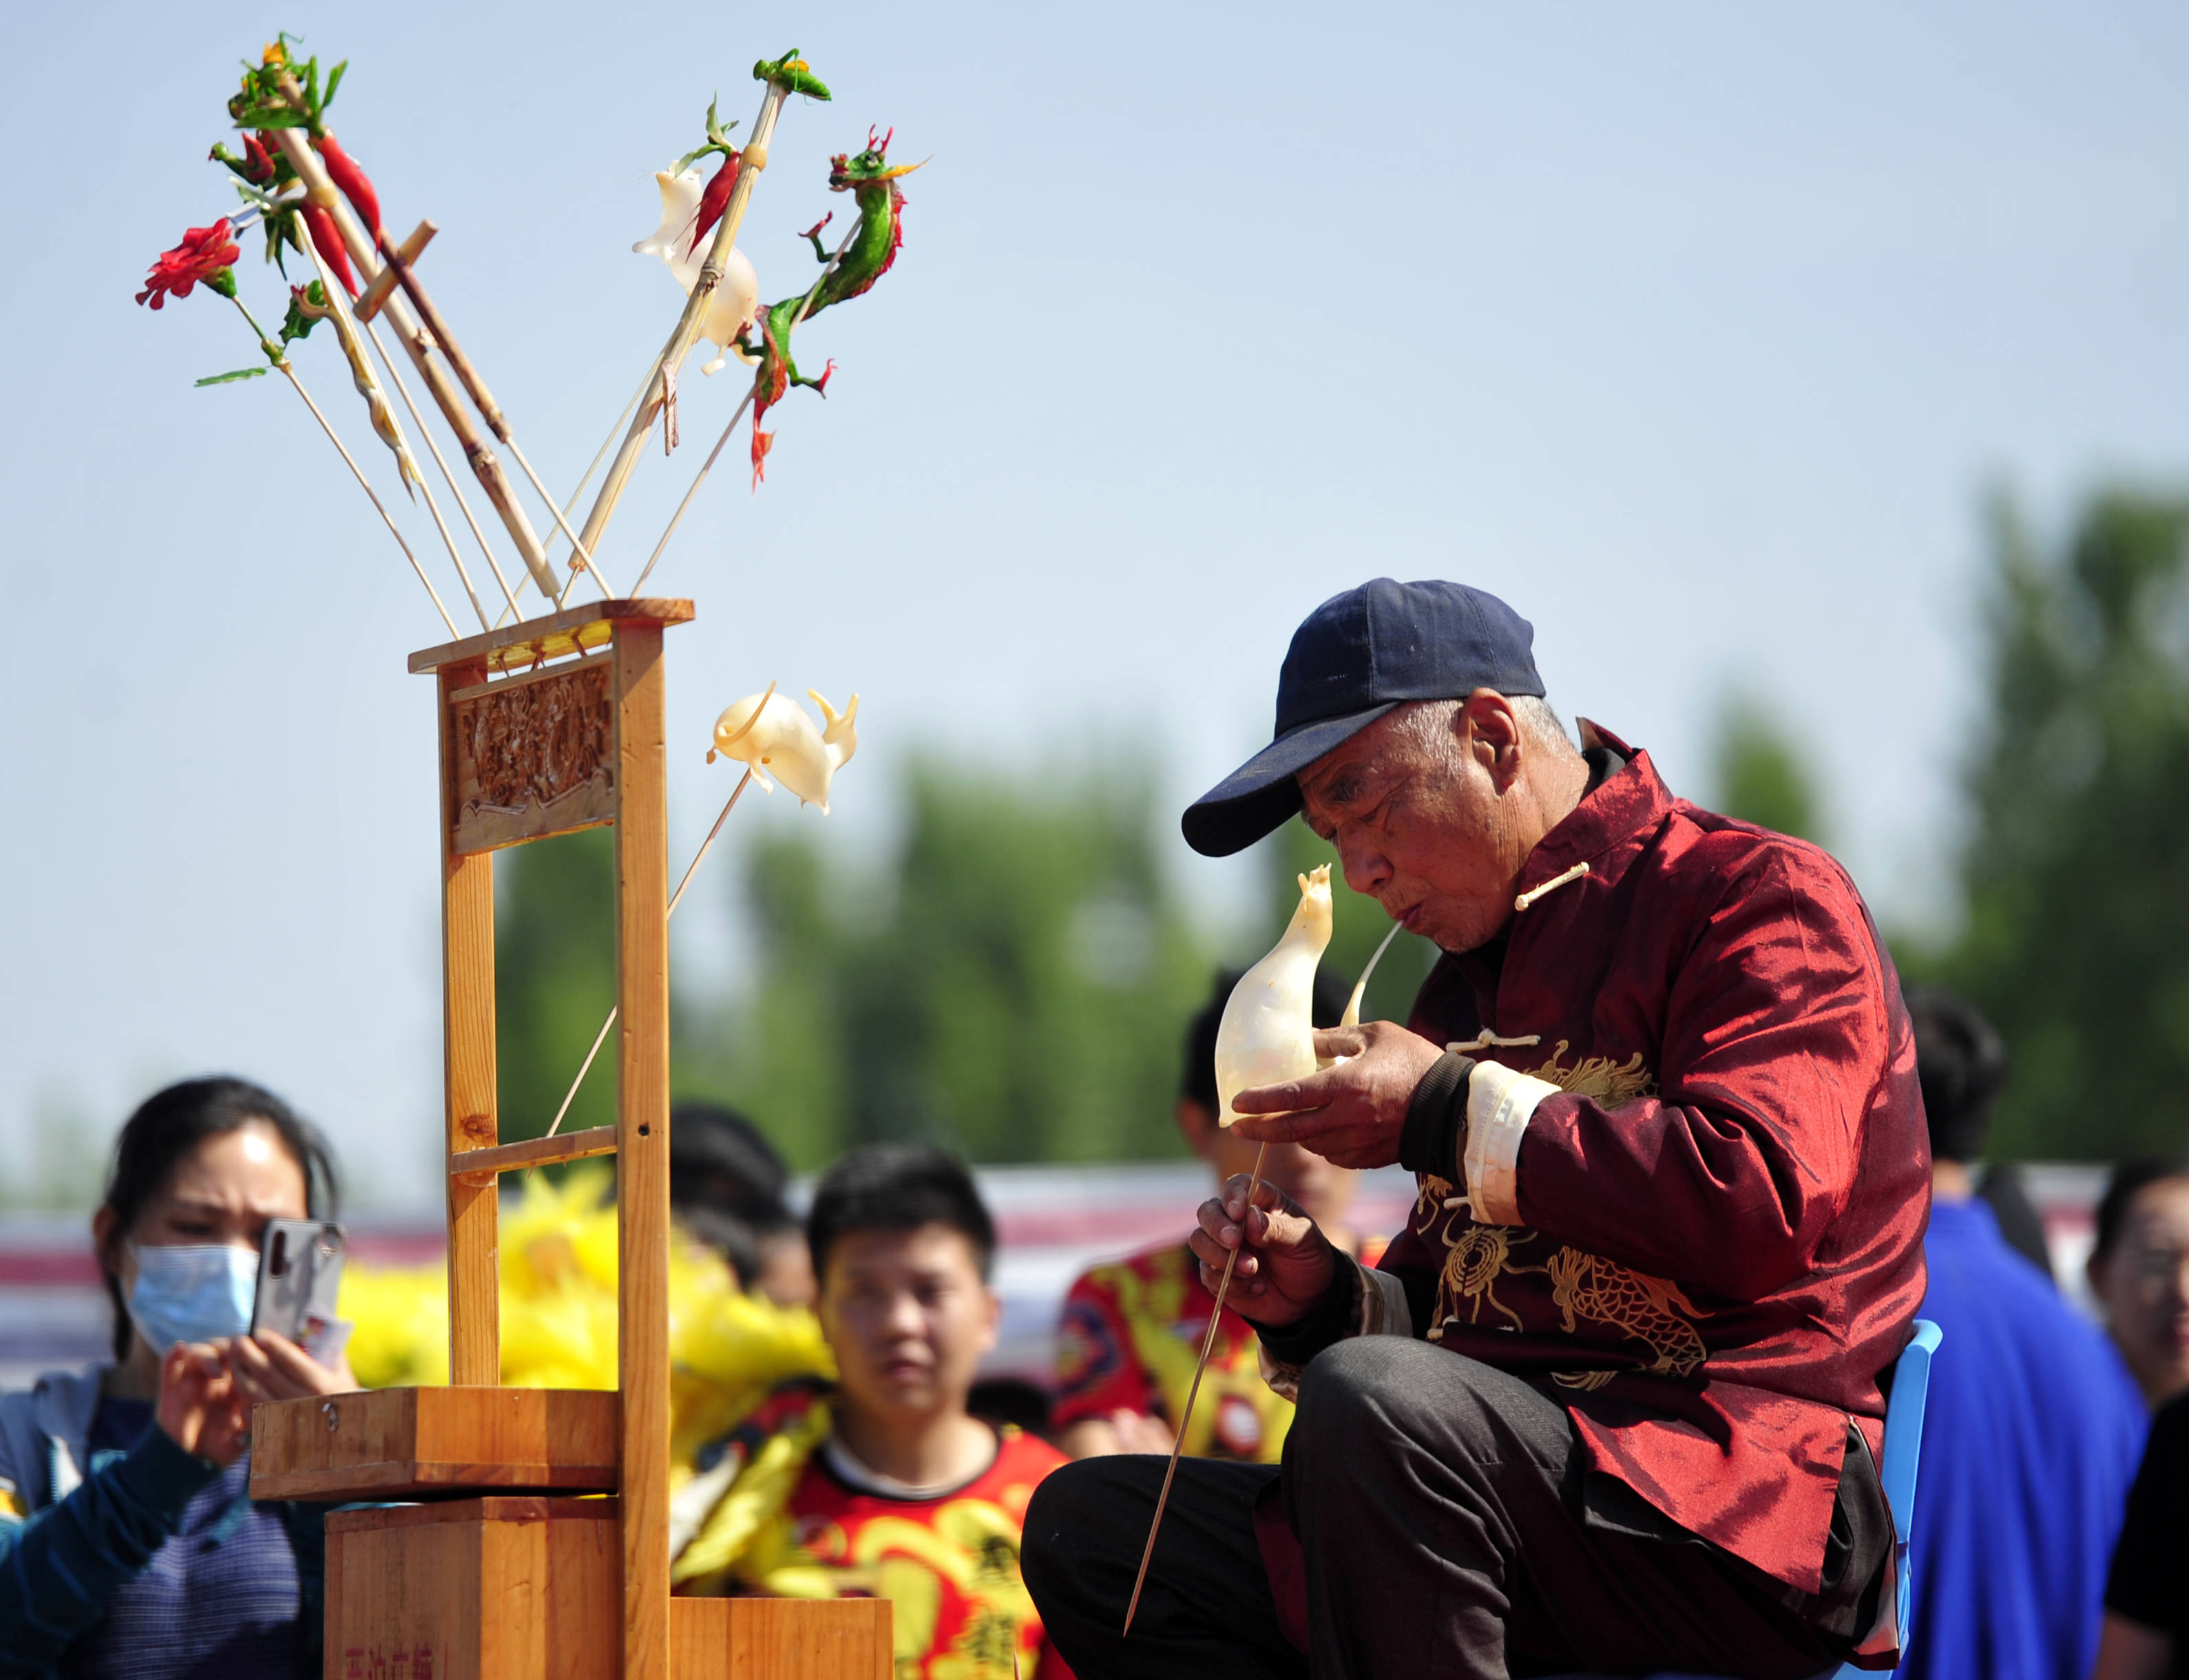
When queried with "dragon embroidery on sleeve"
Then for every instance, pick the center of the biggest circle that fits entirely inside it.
(1650, 1310)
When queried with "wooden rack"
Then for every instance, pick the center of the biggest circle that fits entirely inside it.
(510, 1572)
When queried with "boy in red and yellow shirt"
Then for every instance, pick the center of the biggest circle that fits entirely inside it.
(888, 1487)
(1131, 1329)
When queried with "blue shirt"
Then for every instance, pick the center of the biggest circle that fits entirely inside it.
(158, 1567)
(2030, 1443)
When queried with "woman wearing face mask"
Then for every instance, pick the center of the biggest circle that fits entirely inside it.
(128, 1542)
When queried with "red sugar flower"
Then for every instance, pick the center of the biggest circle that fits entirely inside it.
(205, 254)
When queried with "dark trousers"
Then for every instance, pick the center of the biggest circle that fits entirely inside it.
(1450, 1525)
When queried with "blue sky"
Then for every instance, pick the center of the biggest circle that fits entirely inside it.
(1698, 331)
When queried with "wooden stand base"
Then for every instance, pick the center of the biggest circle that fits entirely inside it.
(402, 1443)
(528, 1589)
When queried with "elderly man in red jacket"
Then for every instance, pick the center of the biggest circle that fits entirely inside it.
(1611, 1400)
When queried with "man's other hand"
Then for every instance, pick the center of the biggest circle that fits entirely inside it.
(1352, 1114)
(1288, 1262)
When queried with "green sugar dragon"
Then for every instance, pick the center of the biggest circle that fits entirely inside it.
(866, 256)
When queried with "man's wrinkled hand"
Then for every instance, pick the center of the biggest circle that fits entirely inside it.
(1287, 1262)
(1352, 1114)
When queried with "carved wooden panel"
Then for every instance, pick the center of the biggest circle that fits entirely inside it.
(534, 757)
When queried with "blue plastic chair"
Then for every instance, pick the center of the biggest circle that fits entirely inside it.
(1903, 1453)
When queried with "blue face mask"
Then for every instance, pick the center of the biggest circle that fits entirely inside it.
(193, 1293)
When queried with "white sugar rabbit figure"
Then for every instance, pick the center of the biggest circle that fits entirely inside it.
(771, 731)
(737, 294)
(1267, 1035)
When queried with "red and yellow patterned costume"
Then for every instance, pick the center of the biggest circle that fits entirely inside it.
(1130, 1334)
(948, 1565)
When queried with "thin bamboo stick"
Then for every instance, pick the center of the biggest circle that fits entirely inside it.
(337, 301)
(455, 486)
(287, 367)
(602, 1036)
(754, 161)
(584, 559)
(599, 456)
(707, 465)
(705, 468)
(1201, 1367)
(475, 387)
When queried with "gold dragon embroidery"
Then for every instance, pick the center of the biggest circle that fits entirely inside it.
(1649, 1309)
(1430, 1198)
(1477, 1256)
(1599, 1076)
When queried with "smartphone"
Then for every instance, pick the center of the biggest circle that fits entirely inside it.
(300, 1262)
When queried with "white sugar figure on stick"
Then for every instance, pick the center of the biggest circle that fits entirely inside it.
(736, 300)
(830, 749)
(1267, 1035)
(771, 731)
(1266, 1038)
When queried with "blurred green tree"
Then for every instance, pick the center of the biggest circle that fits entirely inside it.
(1760, 774)
(554, 967)
(2076, 870)
(1015, 987)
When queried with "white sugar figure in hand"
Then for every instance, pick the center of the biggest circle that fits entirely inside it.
(737, 294)
(1267, 1035)
(771, 731)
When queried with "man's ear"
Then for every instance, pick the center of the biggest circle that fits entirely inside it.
(1491, 732)
(1196, 1124)
(989, 1330)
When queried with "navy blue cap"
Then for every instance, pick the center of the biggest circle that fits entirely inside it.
(1357, 656)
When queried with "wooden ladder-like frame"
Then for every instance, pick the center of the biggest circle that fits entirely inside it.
(546, 727)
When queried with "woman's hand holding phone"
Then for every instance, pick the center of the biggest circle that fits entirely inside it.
(202, 1406)
(270, 1366)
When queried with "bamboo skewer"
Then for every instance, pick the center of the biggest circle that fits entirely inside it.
(281, 361)
(484, 465)
(707, 465)
(754, 161)
(337, 302)
(363, 310)
(602, 1036)
(1200, 1369)
(705, 468)
(1351, 1017)
(456, 489)
(475, 387)
(599, 456)
(581, 557)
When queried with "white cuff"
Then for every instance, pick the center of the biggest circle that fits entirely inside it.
(1383, 1308)
(1499, 1104)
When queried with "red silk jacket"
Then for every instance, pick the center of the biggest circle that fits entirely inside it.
(1712, 1231)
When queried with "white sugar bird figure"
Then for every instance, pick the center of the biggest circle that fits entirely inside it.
(771, 731)
(737, 294)
(1267, 1035)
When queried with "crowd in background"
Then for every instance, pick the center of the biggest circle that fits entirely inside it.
(2050, 1538)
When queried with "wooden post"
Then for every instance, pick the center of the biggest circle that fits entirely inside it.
(641, 866)
(469, 1069)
